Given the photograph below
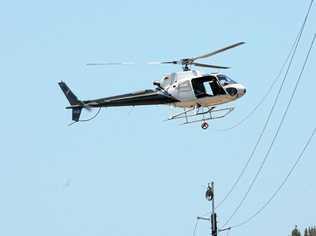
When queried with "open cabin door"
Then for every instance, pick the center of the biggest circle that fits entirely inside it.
(207, 86)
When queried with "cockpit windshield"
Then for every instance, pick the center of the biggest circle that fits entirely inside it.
(225, 80)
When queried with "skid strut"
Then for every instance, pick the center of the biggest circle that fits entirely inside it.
(199, 114)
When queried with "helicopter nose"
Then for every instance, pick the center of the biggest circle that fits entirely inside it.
(241, 91)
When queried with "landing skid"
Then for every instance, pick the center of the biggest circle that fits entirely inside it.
(198, 114)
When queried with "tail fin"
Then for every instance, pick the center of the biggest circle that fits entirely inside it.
(73, 100)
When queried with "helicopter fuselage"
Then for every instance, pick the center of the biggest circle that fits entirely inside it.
(186, 89)
(192, 88)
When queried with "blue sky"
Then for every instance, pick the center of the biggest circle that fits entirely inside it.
(128, 172)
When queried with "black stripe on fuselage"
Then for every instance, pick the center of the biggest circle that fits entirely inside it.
(145, 97)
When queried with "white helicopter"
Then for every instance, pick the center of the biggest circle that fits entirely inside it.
(196, 92)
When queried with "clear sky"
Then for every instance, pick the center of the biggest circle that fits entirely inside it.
(128, 172)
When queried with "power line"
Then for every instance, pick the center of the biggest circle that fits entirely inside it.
(248, 116)
(195, 226)
(272, 108)
(281, 185)
(300, 156)
(265, 95)
(276, 134)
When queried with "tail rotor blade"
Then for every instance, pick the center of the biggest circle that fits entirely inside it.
(88, 108)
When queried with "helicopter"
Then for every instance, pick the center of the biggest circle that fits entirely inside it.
(197, 93)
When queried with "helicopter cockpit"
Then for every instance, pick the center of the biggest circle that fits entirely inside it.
(225, 80)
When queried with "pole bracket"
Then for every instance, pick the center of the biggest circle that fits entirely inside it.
(203, 218)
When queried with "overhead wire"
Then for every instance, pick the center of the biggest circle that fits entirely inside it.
(297, 41)
(248, 116)
(265, 96)
(275, 135)
(280, 186)
(195, 226)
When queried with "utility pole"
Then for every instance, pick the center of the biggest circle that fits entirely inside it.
(210, 196)
(213, 215)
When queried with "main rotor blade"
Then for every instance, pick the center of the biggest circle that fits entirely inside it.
(210, 66)
(218, 51)
(163, 62)
(110, 63)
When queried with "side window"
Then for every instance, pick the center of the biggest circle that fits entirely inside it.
(224, 82)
